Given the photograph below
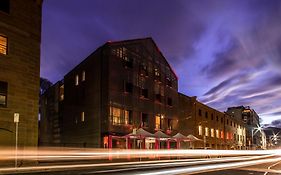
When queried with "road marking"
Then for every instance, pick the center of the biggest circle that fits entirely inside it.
(271, 167)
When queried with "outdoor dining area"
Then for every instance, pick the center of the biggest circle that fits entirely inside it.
(142, 139)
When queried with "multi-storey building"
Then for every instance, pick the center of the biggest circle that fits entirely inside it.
(255, 137)
(20, 35)
(217, 130)
(51, 105)
(120, 87)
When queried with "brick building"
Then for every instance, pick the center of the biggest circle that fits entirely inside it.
(20, 35)
(119, 87)
(216, 129)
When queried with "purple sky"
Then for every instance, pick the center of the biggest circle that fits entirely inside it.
(228, 53)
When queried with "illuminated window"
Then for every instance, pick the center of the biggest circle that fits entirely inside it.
(115, 115)
(82, 116)
(227, 135)
(157, 122)
(127, 117)
(222, 134)
(3, 45)
(61, 92)
(76, 80)
(217, 133)
(206, 131)
(157, 72)
(212, 132)
(3, 93)
(83, 76)
(200, 131)
(5, 6)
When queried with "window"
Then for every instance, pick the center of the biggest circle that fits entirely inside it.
(170, 101)
(144, 120)
(128, 117)
(128, 62)
(116, 115)
(82, 116)
(212, 117)
(206, 131)
(129, 87)
(61, 92)
(217, 133)
(221, 120)
(3, 93)
(3, 45)
(5, 6)
(83, 76)
(170, 124)
(76, 80)
(144, 93)
(217, 118)
(212, 132)
(200, 112)
(222, 134)
(143, 69)
(158, 98)
(227, 121)
(157, 122)
(206, 114)
(156, 72)
(200, 131)
(169, 82)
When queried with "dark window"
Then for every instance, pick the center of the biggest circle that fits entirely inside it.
(206, 114)
(230, 123)
(144, 93)
(170, 101)
(217, 118)
(169, 82)
(200, 112)
(227, 121)
(143, 69)
(158, 98)
(144, 120)
(221, 120)
(129, 87)
(212, 116)
(5, 6)
(170, 124)
(128, 62)
(3, 93)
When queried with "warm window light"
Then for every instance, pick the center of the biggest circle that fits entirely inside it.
(83, 76)
(206, 131)
(76, 80)
(212, 132)
(82, 117)
(217, 133)
(3, 45)
(157, 122)
(200, 130)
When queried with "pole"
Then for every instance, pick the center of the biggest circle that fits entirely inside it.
(252, 138)
(16, 121)
(16, 158)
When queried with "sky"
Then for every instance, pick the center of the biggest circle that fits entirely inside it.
(227, 53)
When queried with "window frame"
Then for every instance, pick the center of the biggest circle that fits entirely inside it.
(4, 93)
(5, 47)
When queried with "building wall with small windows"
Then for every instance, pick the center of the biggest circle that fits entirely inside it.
(20, 35)
(215, 129)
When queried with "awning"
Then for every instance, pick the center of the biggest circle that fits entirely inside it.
(140, 133)
(161, 135)
(193, 138)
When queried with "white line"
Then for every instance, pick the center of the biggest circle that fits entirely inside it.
(271, 167)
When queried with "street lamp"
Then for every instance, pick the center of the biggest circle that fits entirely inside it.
(16, 121)
(259, 129)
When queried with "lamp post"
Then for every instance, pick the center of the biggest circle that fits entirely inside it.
(16, 121)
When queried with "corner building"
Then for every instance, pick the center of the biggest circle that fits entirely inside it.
(120, 87)
(216, 129)
(20, 35)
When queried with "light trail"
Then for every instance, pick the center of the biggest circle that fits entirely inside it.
(271, 167)
(208, 168)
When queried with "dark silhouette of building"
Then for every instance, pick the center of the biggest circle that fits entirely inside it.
(20, 35)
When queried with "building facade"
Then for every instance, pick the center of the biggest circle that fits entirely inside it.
(120, 87)
(216, 129)
(20, 35)
(255, 136)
